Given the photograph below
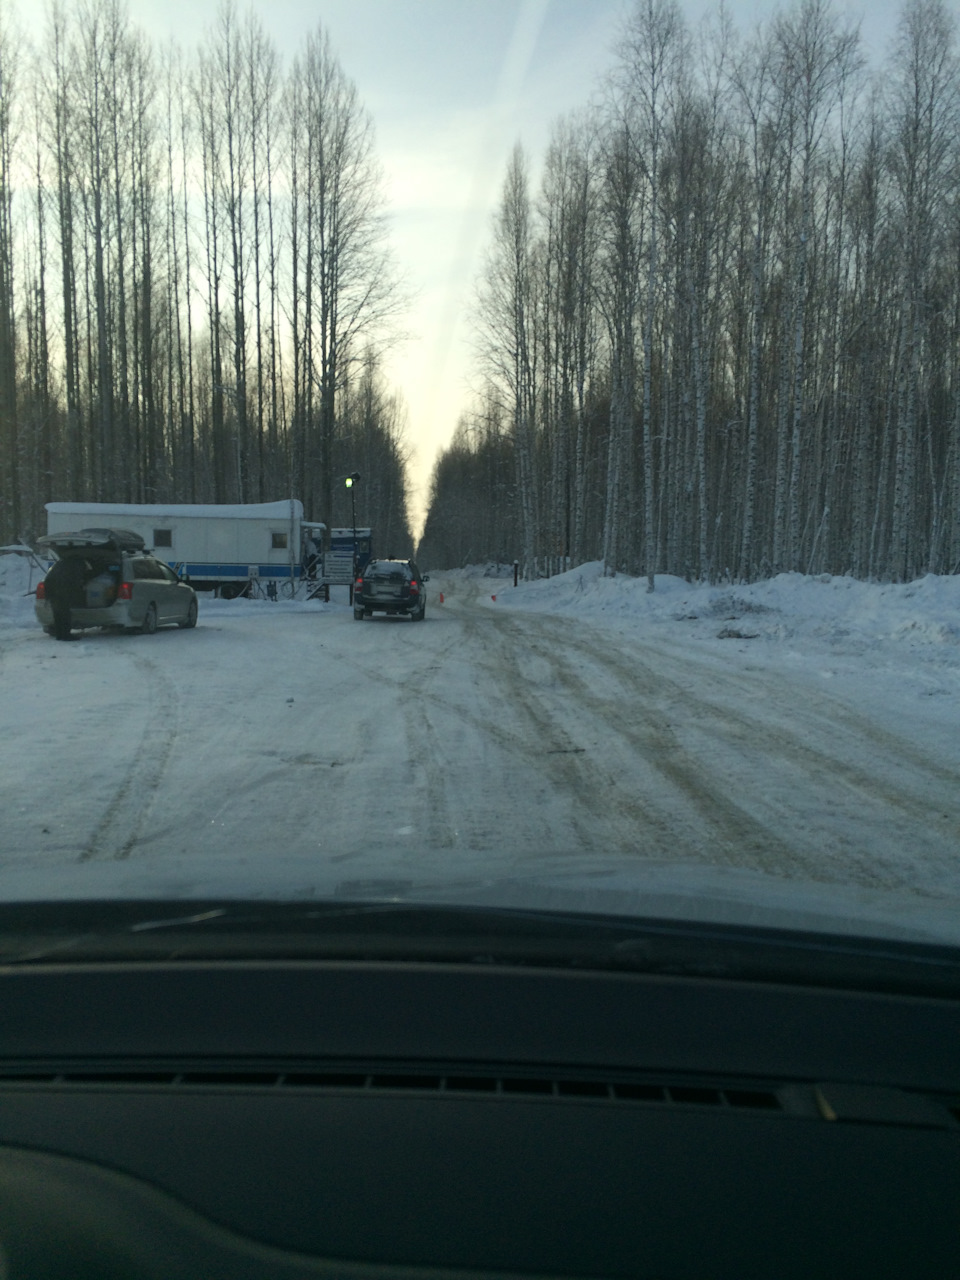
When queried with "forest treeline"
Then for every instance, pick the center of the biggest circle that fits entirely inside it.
(719, 335)
(195, 284)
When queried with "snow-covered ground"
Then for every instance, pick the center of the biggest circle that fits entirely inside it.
(831, 626)
(838, 630)
(783, 751)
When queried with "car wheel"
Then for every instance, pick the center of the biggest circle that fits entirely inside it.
(191, 619)
(358, 615)
(419, 617)
(149, 624)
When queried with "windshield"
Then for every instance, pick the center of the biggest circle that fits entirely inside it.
(620, 339)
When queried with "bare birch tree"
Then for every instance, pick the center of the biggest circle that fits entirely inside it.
(344, 289)
(10, 485)
(651, 58)
(923, 158)
(509, 340)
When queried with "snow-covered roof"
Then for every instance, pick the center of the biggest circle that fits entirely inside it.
(170, 510)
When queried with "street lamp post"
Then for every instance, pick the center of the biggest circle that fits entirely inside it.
(351, 483)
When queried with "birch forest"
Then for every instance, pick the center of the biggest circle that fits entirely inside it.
(195, 284)
(718, 329)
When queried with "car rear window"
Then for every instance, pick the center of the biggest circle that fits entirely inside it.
(389, 570)
(95, 559)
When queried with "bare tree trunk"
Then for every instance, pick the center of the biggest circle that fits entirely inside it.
(209, 147)
(651, 62)
(63, 131)
(10, 487)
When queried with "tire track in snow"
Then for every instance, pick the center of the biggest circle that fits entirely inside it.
(644, 806)
(822, 713)
(815, 740)
(578, 800)
(847, 819)
(128, 813)
(430, 771)
(719, 759)
(473, 756)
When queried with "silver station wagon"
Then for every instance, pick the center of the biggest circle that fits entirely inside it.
(105, 578)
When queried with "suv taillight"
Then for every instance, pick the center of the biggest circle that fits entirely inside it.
(413, 585)
(125, 591)
(41, 591)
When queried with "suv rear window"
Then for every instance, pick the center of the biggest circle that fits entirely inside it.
(392, 570)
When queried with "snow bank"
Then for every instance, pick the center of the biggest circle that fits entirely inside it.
(790, 604)
(914, 626)
(18, 581)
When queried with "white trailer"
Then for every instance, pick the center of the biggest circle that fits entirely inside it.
(218, 547)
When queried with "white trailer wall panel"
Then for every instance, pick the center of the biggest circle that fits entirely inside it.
(217, 544)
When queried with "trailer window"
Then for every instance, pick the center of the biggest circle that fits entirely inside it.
(163, 537)
(279, 542)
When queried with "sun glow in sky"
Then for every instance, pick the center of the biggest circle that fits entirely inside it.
(451, 86)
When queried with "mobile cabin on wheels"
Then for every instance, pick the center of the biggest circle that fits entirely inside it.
(227, 548)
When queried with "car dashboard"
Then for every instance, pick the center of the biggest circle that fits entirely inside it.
(221, 1109)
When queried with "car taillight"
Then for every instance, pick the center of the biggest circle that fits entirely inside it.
(125, 591)
(413, 586)
(41, 591)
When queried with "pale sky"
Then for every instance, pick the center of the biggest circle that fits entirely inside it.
(451, 86)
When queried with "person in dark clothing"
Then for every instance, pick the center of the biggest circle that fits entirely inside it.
(311, 556)
(64, 588)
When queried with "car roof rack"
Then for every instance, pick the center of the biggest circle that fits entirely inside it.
(109, 539)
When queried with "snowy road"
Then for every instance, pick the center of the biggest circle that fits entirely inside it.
(290, 743)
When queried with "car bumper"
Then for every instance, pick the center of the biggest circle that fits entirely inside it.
(114, 615)
(387, 606)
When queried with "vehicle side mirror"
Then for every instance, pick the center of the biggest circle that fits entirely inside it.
(425, 578)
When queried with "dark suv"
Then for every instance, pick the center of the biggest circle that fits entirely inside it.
(390, 586)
